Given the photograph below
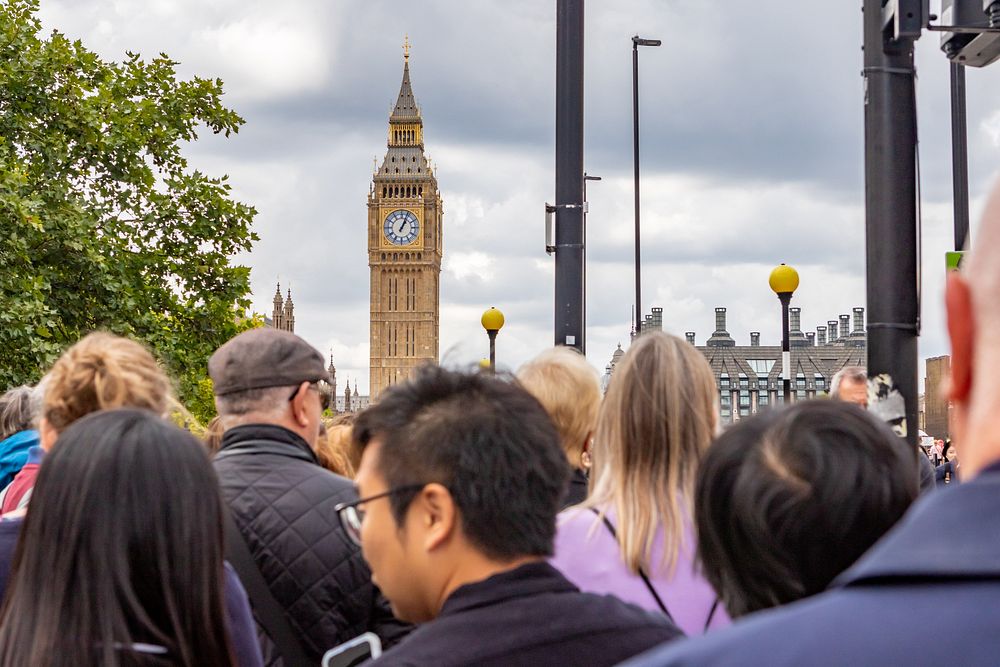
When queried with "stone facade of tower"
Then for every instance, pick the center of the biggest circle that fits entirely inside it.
(404, 249)
(283, 314)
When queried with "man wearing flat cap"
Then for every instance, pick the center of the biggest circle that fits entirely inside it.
(282, 501)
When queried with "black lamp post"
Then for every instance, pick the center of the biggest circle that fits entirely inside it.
(636, 43)
(784, 280)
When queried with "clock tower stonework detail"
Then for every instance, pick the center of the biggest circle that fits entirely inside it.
(404, 249)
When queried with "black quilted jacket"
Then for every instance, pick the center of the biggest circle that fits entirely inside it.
(283, 501)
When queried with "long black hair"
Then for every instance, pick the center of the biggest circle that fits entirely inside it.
(122, 547)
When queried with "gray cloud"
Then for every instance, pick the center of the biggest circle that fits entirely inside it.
(752, 153)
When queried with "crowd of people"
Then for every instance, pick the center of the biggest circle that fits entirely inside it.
(473, 519)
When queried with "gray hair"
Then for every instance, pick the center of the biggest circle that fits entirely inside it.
(849, 373)
(253, 405)
(19, 410)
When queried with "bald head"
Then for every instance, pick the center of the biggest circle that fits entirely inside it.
(973, 304)
(982, 271)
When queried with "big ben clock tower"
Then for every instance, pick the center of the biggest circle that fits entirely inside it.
(404, 249)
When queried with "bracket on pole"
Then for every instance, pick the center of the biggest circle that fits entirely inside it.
(550, 223)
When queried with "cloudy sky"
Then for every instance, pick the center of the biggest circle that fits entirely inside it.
(752, 154)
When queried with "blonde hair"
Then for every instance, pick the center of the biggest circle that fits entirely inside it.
(657, 420)
(569, 389)
(100, 372)
(333, 450)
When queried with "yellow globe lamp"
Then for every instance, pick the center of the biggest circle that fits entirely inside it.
(492, 320)
(784, 279)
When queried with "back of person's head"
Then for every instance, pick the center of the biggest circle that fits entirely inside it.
(333, 448)
(213, 435)
(487, 441)
(569, 389)
(658, 417)
(788, 499)
(18, 410)
(100, 372)
(122, 546)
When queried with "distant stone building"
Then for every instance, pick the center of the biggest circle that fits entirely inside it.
(748, 377)
(936, 406)
(283, 312)
(352, 400)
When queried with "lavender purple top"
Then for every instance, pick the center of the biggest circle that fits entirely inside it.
(588, 555)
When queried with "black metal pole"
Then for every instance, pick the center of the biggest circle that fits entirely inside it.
(493, 350)
(786, 355)
(891, 209)
(635, 160)
(569, 283)
(959, 155)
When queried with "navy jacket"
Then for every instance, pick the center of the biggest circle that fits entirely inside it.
(941, 562)
(530, 616)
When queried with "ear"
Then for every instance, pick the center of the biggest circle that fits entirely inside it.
(47, 434)
(299, 412)
(437, 516)
(961, 331)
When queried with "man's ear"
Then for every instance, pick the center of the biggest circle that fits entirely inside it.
(299, 413)
(961, 331)
(436, 514)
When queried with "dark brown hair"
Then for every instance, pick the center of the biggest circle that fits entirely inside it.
(122, 546)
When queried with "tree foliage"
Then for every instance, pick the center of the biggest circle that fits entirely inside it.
(103, 223)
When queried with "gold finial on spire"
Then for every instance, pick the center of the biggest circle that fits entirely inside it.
(406, 48)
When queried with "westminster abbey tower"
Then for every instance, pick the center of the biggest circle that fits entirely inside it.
(404, 249)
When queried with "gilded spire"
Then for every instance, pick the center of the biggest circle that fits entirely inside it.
(406, 48)
(406, 106)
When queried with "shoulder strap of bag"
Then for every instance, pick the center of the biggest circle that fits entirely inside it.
(270, 613)
(645, 579)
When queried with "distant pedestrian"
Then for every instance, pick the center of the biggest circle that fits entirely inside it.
(461, 478)
(19, 408)
(947, 472)
(120, 559)
(850, 384)
(634, 536)
(569, 389)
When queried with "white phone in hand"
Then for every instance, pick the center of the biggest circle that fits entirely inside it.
(354, 652)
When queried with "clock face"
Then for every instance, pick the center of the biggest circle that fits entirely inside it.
(401, 227)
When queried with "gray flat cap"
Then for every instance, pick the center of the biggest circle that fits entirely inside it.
(262, 358)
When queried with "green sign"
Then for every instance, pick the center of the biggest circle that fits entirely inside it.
(953, 260)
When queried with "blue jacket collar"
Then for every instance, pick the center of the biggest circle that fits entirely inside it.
(949, 534)
(20, 440)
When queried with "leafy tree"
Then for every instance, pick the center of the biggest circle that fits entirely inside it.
(103, 224)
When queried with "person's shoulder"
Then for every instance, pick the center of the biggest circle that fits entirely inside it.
(608, 611)
(10, 529)
(576, 520)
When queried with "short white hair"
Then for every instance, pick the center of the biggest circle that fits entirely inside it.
(850, 373)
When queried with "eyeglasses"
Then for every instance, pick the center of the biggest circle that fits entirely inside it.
(352, 516)
(295, 393)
